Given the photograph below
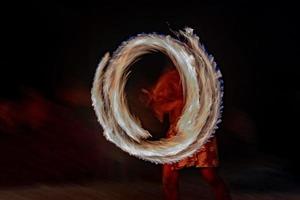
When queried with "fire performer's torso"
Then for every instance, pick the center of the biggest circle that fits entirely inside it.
(167, 98)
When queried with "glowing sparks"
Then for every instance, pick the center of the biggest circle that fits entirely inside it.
(202, 90)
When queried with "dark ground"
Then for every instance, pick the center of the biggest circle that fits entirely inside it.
(261, 182)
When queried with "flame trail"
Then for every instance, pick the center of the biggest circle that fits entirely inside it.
(202, 89)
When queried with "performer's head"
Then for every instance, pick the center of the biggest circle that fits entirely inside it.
(166, 94)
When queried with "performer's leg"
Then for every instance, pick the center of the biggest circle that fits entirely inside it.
(170, 183)
(211, 177)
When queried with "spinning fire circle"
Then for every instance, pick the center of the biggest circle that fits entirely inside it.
(202, 88)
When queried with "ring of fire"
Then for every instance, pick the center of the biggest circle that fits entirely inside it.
(202, 88)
